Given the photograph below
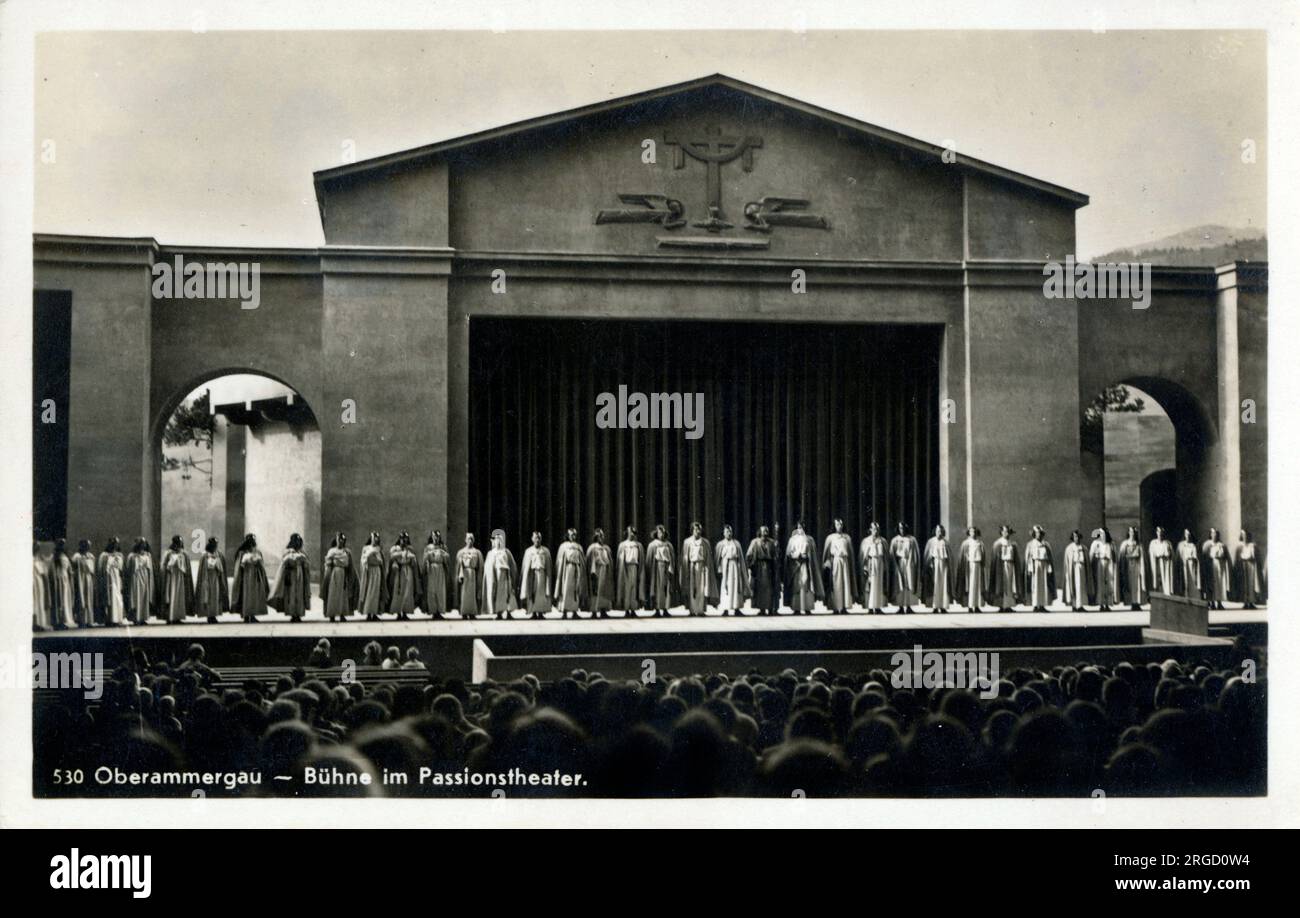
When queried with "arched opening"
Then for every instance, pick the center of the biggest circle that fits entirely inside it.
(239, 452)
(1144, 444)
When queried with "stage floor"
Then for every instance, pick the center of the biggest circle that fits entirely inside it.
(275, 625)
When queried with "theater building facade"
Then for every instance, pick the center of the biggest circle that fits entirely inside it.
(860, 317)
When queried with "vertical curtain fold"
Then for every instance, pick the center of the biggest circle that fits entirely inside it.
(801, 422)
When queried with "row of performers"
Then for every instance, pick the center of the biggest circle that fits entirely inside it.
(112, 588)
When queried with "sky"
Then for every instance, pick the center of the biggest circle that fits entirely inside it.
(212, 138)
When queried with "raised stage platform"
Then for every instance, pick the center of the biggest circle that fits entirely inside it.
(617, 647)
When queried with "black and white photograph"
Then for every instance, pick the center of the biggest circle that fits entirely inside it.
(753, 413)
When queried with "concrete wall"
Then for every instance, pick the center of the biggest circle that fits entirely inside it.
(1023, 396)
(385, 355)
(109, 483)
(283, 490)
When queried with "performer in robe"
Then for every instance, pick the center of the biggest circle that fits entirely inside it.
(1078, 572)
(435, 576)
(840, 566)
(1040, 570)
(403, 594)
(292, 591)
(212, 592)
(143, 584)
(600, 574)
(1132, 571)
(660, 579)
(905, 561)
(764, 572)
(110, 601)
(1249, 571)
(537, 583)
(1103, 556)
(1187, 575)
(733, 577)
(939, 572)
(469, 579)
(630, 561)
(1004, 572)
(250, 589)
(972, 557)
(1217, 579)
(803, 578)
(63, 599)
(699, 582)
(1162, 554)
(873, 555)
(500, 577)
(42, 616)
(177, 583)
(372, 578)
(83, 585)
(570, 575)
(340, 587)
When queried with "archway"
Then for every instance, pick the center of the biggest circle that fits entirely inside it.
(1145, 445)
(238, 452)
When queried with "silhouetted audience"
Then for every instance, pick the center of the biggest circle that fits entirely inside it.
(1153, 729)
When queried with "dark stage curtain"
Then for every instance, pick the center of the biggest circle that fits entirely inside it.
(801, 422)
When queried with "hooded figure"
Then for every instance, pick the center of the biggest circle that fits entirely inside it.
(939, 572)
(292, 591)
(537, 580)
(42, 616)
(1040, 571)
(1132, 571)
(803, 577)
(570, 575)
(1217, 578)
(339, 584)
(63, 599)
(972, 559)
(1188, 573)
(733, 578)
(469, 579)
(630, 562)
(110, 599)
(1163, 562)
(600, 571)
(400, 577)
(841, 567)
(699, 582)
(1004, 571)
(1249, 571)
(83, 585)
(177, 583)
(659, 580)
(435, 576)
(248, 593)
(875, 561)
(372, 579)
(764, 572)
(500, 577)
(1077, 571)
(211, 593)
(1104, 559)
(905, 567)
(143, 583)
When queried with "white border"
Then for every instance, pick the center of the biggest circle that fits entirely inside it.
(21, 19)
